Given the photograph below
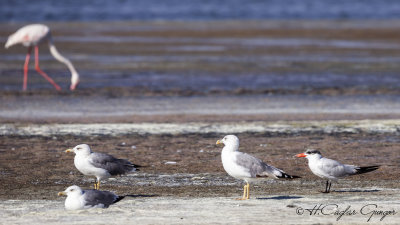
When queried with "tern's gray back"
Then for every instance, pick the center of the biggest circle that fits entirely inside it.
(334, 168)
(95, 197)
(113, 165)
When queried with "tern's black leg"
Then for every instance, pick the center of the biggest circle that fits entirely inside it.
(326, 187)
(330, 184)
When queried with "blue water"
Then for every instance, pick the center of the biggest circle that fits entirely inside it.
(106, 10)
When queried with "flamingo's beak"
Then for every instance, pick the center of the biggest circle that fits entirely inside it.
(301, 155)
(8, 44)
(73, 86)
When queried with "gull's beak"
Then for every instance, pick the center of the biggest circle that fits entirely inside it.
(62, 193)
(69, 150)
(301, 155)
(218, 142)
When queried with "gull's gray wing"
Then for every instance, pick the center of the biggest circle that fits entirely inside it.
(113, 165)
(99, 198)
(258, 168)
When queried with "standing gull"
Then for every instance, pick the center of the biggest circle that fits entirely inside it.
(330, 169)
(85, 199)
(246, 167)
(100, 165)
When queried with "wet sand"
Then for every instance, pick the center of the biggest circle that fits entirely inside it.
(181, 109)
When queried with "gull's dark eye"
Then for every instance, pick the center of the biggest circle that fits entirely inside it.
(79, 148)
(72, 189)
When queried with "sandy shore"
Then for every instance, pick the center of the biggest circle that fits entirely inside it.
(91, 109)
(194, 188)
(271, 209)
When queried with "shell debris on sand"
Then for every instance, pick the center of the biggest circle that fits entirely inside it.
(284, 127)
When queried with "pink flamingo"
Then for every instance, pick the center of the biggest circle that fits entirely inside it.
(31, 36)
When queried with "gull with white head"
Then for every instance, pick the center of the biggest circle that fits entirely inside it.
(85, 199)
(246, 167)
(100, 165)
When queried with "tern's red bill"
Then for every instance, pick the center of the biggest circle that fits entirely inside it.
(301, 155)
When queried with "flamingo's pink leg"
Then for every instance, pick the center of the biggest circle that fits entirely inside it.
(28, 56)
(41, 72)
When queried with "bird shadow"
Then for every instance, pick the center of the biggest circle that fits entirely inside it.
(141, 196)
(119, 198)
(282, 197)
(355, 191)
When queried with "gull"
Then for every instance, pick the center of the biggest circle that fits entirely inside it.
(100, 165)
(246, 167)
(330, 169)
(85, 199)
(31, 36)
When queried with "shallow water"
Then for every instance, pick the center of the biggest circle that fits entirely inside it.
(218, 56)
(202, 83)
(47, 10)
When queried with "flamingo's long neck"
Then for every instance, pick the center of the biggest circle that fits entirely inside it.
(60, 58)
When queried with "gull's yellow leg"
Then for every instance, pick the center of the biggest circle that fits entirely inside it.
(98, 185)
(245, 192)
(248, 191)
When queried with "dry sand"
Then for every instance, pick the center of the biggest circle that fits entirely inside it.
(271, 209)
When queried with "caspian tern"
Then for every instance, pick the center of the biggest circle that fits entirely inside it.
(246, 167)
(331, 169)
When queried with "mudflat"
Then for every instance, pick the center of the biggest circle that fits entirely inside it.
(190, 165)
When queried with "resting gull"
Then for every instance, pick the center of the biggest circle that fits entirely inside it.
(246, 167)
(85, 199)
(100, 165)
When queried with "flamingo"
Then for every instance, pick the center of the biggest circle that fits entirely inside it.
(31, 36)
